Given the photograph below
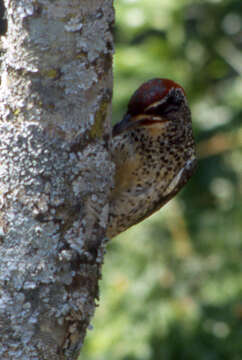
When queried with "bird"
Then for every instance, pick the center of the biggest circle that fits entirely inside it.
(153, 150)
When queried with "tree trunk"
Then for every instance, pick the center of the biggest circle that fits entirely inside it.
(55, 172)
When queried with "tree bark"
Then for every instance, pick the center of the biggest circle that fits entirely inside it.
(55, 172)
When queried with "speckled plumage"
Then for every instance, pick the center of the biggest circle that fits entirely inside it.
(154, 153)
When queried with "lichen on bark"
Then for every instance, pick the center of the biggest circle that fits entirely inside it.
(55, 172)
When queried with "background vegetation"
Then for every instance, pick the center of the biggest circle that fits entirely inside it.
(172, 286)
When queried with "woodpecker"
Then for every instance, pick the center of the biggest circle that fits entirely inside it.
(154, 153)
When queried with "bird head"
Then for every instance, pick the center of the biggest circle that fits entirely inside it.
(154, 104)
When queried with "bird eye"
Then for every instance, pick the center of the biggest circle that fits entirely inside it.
(172, 103)
(169, 107)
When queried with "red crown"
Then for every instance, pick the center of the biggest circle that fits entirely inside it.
(149, 93)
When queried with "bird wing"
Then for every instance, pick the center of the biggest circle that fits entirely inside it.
(184, 177)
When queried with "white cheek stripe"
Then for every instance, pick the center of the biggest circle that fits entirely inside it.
(156, 104)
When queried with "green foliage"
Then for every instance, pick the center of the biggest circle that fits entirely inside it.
(172, 286)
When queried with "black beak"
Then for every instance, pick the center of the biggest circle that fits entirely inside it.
(139, 120)
(123, 125)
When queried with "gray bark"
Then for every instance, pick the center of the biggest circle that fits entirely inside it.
(55, 172)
